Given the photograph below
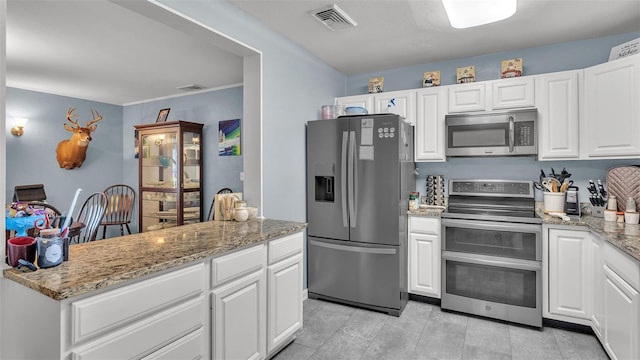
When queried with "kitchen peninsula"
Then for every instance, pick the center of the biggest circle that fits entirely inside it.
(217, 289)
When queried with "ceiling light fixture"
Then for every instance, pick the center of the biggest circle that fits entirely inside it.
(469, 13)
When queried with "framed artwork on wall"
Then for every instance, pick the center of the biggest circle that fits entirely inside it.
(229, 137)
(162, 115)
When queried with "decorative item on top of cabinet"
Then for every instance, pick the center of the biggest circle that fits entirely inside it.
(511, 68)
(465, 74)
(431, 78)
(376, 85)
(171, 172)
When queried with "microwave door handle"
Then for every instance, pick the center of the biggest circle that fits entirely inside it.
(343, 179)
(512, 134)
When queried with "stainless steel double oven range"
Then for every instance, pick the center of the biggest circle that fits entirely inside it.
(492, 251)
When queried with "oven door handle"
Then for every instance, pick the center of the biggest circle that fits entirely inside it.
(491, 225)
(519, 264)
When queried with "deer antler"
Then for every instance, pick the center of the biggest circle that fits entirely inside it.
(96, 117)
(71, 115)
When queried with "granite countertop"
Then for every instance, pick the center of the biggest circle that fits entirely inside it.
(109, 262)
(625, 237)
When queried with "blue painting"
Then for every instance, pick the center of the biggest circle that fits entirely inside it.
(229, 137)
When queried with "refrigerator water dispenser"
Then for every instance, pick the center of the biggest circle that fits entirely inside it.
(324, 182)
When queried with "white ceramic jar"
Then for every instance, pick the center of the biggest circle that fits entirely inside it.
(241, 214)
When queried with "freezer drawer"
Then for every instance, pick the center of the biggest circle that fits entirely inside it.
(355, 272)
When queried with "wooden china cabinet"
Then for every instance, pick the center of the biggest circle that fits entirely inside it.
(170, 174)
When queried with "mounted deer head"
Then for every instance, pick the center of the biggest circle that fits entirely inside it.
(71, 153)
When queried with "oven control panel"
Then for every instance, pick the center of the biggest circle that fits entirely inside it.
(491, 188)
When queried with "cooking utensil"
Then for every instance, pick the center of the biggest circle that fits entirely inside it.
(73, 205)
(565, 185)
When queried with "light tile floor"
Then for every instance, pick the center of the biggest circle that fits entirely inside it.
(333, 332)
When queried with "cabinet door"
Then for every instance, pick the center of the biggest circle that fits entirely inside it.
(429, 127)
(239, 318)
(285, 300)
(612, 110)
(364, 101)
(397, 102)
(597, 281)
(424, 264)
(467, 97)
(622, 316)
(557, 97)
(512, 93)
(570, 273)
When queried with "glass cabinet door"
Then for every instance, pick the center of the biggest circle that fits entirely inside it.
(170, 164)
(160, 160)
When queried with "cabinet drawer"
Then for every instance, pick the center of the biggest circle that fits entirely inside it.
(624, 266)
(284, 247)
(191, 346)
(101, 313)
(424, 225)
(145, 337)
(235, 265)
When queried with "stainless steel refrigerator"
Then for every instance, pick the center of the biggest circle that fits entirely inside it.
(360, 172)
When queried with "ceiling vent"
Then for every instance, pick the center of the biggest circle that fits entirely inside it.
(333, 17)
(192, 87)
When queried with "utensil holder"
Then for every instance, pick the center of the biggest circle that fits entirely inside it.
(554, 201)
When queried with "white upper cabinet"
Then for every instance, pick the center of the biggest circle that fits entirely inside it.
(557, 96)
(397, 102)
(500, 94)
(512, 93)
(429, 127)
(611, 119)
(467, 97)
(364, 101)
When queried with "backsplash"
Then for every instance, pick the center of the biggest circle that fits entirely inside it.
(516, 168)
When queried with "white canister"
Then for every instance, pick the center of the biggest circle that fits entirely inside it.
(612, 204)
(631, 205)
(241, 214)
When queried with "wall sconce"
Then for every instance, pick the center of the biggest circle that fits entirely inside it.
(18, 127)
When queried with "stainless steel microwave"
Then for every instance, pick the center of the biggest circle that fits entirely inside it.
(492, 134)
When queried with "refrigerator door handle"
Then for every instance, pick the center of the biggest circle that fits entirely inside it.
(343, 179)
(358, 249)
(352, 179)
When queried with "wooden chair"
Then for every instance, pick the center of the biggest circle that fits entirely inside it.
(221, 191)
(120, 202)
(91, 215)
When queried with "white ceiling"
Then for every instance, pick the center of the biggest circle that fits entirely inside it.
(99, 50)
(102, 51)
(397, 33)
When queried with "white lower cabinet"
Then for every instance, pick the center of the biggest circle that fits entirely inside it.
(569, 275)
(591, 282)
(239, 318)
(242, 305)
(597, 283)
(621, 328)
(424, 256)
